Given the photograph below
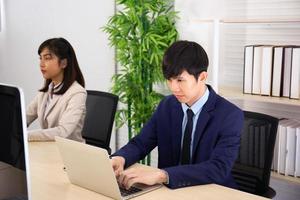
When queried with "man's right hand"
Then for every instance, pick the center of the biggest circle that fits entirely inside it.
(118, 163)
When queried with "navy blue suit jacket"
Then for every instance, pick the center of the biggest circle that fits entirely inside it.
(216, 142)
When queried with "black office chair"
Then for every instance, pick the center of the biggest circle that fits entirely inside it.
(252, 168)
(100, 113)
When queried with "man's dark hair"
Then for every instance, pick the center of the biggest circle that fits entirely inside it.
(63, 50)
(184, 55)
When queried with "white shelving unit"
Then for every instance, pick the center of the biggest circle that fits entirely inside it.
(223, 28)
(228, 63)
(228, 41)
(238, 33)
(279, 107)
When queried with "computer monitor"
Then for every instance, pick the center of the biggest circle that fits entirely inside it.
(14, 171)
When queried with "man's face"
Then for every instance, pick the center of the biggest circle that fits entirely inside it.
(186, 88)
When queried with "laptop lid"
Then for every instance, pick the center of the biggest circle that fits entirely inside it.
(14, 165)
(90, 167)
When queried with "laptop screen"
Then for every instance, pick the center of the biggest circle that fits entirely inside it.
(13, 180)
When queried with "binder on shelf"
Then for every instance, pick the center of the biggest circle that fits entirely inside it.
(256, 76)
(281, 149)
(282, 145)
(287, 71)
(295, 74)
(248, 67)
(277, 74)
(266, 70)
(290, 149)
(297, 162)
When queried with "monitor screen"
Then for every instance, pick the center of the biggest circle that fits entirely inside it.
(13, 183)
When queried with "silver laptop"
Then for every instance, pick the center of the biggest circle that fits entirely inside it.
(14, 165)
(90, 167)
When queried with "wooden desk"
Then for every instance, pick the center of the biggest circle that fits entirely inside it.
(50, 182)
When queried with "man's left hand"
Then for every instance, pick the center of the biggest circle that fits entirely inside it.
(140, 175)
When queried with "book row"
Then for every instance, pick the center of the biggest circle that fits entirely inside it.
(286, 159)
(272, 70)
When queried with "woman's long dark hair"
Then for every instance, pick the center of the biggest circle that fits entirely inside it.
(63, 50)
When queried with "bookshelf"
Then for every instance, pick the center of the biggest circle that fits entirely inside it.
(227, 55)
(223, 28)
(228, 40)
(234, 93)
(234, 35)
(228, 65)
(279, 107)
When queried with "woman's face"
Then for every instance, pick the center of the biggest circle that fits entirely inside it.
(51, 66)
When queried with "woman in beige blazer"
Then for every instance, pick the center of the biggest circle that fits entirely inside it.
(60, 104)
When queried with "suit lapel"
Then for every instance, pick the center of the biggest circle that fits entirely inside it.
(177, 115)
(41, 110)
(204, 118)
(201, 124)
(50, 106)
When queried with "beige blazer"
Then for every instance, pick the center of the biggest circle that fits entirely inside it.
(64, 115)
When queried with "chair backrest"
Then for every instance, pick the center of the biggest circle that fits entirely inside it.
(252, 168)
(100, 113)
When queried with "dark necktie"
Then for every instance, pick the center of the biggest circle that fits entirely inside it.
(185, 153)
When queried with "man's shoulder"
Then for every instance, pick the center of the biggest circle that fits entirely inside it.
(224, 107)
(169, 101)
(167, 104)
(221, 101)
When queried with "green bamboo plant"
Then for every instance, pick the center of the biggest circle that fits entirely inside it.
(140, 33)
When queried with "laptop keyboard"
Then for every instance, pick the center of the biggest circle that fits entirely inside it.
(132, 190)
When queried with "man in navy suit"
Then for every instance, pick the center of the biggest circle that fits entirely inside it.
(197, 132)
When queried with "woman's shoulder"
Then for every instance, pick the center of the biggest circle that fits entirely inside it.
(76, 87)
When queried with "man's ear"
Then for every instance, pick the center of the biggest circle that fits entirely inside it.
(63, 63)
(202, 76)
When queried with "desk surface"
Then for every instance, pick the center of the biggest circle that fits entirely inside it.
(50, 182)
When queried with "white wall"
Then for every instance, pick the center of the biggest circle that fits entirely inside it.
(1, 35)
(28, 23)
(195, 24)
